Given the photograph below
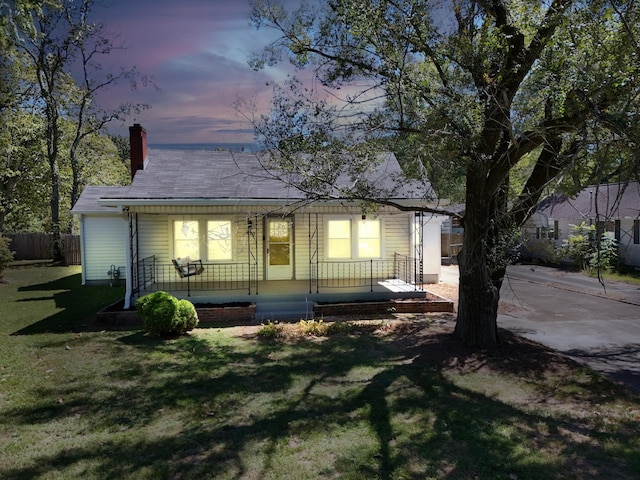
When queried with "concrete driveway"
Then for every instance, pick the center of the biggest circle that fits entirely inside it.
(572, 313)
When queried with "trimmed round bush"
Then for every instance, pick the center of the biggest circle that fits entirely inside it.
(188, 315)
(163, 314)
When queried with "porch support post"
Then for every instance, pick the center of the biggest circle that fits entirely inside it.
(249, 255)
(317, 258)
(128, 259)
(371, 275)
(255, 236)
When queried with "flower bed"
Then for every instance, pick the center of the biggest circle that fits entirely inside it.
(238, 312)
(433, 303)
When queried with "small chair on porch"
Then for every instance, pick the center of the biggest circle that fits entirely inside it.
(187, 267)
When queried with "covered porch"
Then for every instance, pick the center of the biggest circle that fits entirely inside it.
(331, 282)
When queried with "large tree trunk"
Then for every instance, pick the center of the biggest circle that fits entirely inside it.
(478, 295)
(53, 138)
(481, 267)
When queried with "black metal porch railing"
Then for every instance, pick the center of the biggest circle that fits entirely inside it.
(150, 275)
(363, 273)
(215, 276)
(144, 274)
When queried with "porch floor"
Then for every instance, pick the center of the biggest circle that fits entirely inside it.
(290, 299)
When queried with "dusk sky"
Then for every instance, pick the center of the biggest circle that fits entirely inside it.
(196, 51)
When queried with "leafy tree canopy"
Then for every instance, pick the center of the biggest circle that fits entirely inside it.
(515, 97)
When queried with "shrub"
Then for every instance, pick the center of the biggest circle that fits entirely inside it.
(6, 255)
(315, 328)
(586, 252)
(271, 330)
(578, 246)
(188, 315)
(163, 314)
(605, 254)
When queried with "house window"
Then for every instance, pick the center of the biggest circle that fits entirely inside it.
(369, 242)
(189, 239)
(347, 239)
(339, 239)
(186, 240)
(219, 246)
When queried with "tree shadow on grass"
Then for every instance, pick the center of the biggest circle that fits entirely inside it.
(75, 305)
(342, 407)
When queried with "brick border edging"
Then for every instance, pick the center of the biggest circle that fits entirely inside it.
(205, 315)
(395, 306)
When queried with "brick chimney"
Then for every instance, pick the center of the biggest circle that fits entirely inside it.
(137, 148)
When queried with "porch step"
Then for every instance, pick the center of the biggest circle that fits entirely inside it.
(395, 285)
(283, 309)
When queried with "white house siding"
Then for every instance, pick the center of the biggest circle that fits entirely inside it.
(104, 246)
(153, 238)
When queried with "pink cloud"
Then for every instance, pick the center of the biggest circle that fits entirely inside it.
(196, 52)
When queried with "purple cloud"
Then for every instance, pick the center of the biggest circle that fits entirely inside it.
(196, 52)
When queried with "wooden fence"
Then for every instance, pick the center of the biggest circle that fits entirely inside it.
(451, 243)
(38, 246)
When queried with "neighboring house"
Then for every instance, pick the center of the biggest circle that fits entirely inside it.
(249, 234)
(614, 208)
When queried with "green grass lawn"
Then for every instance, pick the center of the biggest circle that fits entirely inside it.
(396, 399)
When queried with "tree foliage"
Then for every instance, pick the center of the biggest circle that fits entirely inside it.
(6, 255)
(519, 96)
(52, 74)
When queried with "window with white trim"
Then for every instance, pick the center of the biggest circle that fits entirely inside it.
(210, 240)
(369, 241)
(348, 239)
(339, 239)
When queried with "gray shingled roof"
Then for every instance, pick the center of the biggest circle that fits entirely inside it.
(184, 175)
(88, 201)
(615, 200)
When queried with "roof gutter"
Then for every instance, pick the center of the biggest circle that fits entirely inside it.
(135, 202)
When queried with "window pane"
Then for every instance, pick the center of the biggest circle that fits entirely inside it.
(369, 245)
(219, 241)
(279, 254)
(339, 228)
(186, 241)
(278, 231)
(339, 248)
(339, 239)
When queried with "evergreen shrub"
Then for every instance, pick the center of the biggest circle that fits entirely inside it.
(163, 314)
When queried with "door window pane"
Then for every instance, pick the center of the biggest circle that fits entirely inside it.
(279, 254)
(279, 234)
(278, 231)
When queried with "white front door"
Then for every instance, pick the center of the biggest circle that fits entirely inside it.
(279, 252)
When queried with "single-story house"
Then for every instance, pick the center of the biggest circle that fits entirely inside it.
(614, 208)
(217, 227)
